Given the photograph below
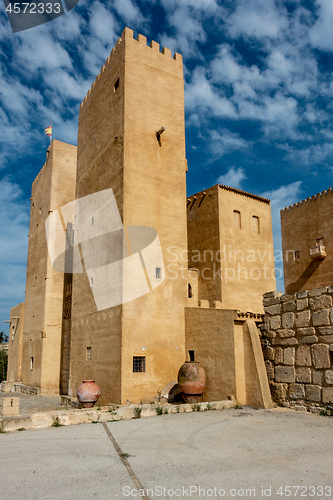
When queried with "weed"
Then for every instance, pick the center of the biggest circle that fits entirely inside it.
(210, 406)
(196, 407)
(237, 407)
(137, 412)
(94, 422)
(178, 408)
(21, 429)
(159, 410)
(125, 455)
(1, 431)
(98, 408)
(165, 411)
(56, 423)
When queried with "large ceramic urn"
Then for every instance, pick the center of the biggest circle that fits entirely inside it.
(191, 381)
(88, 393)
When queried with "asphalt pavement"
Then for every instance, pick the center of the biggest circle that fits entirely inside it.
(235, 453)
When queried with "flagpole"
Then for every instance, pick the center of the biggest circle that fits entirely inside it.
(51, 133)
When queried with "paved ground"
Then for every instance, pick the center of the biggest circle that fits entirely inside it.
(34, 404)
(242, 453)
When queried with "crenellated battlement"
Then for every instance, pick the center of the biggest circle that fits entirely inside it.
(308, 200)
(127, 36)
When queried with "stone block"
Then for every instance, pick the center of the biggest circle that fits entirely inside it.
(9, 406)
(328, 339)
(321, 318)
(325, 330)
(327, 394)
(321, 302)
(306, 331)
(313, 393)
(42, 420)
(303, 356)
(275, 322)
(269, 353)
(296, 391)
(317, 291)
(287, 298)
(272, 310)
(317, 377)
(269, 295)
(320, 356)
(278, 359)
(331, 315)
(312, 339)
(271, 334)
(302, 295)
(285, 374)
(288, 306)
(14, 423)
(271, 301)
(289, 356)
(288, 320)
(302, 304)
(269, 369)
(5, 387)
(303, 318)
(285, 333)
(279, 390)
(329, 377)
(303, 375)
(278, 341)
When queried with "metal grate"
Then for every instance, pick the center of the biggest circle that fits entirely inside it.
(139, 364)
(88, 354)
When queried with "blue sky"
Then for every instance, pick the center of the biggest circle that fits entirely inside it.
(258, 99)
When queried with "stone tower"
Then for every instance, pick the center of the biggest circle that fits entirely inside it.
(53, 187)
(307, 244)
(132, 140)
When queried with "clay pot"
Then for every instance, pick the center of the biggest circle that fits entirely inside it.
(191, 381)
(88, 393)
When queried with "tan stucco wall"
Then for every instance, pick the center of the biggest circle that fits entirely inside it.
(53, 187)
(118, 149)
(301, 225)
(246, 270)
(210, 333)
(15, 343)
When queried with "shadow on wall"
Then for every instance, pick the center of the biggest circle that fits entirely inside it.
(297, 286)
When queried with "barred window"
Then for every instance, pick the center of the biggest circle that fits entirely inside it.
(139, 364)
(88, 354)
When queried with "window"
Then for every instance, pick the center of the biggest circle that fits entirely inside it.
(31, 363)
(158, 273)
(139, 364)
(296, 254)
(237, 219)
(88, 354)
(116, 85)
(255, 224)
(191, 354)
(190, 292)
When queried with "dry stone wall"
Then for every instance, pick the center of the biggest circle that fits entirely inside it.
(297, 339)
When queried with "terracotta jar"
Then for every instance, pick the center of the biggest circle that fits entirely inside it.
(191, 381)
(88, 393)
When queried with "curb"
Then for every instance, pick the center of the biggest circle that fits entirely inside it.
(112, 413)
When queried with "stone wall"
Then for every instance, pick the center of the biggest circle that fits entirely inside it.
(297, 339)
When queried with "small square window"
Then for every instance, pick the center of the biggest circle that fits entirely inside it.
(191, 355)
(297, 254)
(158, 273)
(139, 364)
(88, 354)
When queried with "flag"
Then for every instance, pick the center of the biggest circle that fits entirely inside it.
(48, 130)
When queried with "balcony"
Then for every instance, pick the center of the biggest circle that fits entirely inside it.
(318, 252)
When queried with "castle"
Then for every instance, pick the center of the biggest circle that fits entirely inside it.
(126, 277)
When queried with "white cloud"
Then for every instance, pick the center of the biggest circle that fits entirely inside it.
(321, 33)
(233, 177)
(129, 11)
(257, 18)
(225, 141)
(102, 23)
